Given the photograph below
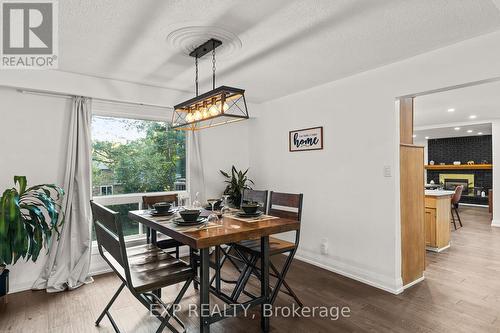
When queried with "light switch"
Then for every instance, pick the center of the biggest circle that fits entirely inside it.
(387, 171)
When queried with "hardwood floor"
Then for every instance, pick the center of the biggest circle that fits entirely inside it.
(461, 293)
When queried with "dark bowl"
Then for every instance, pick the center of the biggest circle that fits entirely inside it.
(250, 208)
(162, 207)
(190, 215)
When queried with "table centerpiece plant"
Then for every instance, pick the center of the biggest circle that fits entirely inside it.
(236, 183)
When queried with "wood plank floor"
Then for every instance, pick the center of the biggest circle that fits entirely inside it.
(461, 293)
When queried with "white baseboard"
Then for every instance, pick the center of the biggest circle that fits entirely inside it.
(495, 223)
(356, 274)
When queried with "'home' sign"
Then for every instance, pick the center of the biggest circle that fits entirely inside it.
(306, 139)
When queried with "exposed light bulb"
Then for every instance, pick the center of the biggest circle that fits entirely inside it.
(197, 115)
(189, 117)
(457, 128)
(427, 138)
(469, 131)
(472, 116)
(451, 110)
(213, 110)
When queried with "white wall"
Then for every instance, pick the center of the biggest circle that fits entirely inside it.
(222, 147)
(33, 132)
(347, 199)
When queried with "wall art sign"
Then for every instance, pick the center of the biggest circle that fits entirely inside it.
(306, 139)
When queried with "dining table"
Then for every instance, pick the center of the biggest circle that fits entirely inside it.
(228, 230)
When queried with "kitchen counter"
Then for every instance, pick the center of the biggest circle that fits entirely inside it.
(437, 219)
(438, 193)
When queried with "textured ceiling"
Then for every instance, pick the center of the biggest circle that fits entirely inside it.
(287, 46)
(482, 101)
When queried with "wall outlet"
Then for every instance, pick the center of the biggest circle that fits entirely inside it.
(324, 247)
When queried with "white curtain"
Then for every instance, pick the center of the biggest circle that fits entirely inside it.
(196, 178)
(68, 263)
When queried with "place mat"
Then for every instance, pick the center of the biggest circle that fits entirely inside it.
(199, 227)
(254, 219)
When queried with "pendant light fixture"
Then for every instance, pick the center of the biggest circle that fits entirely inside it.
(219, 106)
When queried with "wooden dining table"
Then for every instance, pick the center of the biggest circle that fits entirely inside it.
(229, 230)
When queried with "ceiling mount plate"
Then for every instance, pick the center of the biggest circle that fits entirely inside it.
(205, 48)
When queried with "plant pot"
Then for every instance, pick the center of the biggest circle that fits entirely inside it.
(4, 283)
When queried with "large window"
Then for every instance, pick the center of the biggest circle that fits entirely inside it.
(131, 156)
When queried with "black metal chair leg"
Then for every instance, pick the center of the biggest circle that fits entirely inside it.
(106, 309)
(281, 280)
(458, 215)
(453, 219)
(177, 252)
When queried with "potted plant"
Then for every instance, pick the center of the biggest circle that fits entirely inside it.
(28, 219)
(236, 183)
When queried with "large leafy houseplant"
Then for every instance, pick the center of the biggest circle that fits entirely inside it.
(28, 219)
(236, 183)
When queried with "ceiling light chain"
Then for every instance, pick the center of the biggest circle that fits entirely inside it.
(196, 75)
(213, 65)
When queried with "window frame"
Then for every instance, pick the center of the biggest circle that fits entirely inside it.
(132, 198)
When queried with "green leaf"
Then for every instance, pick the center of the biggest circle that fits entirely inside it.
(21, 180)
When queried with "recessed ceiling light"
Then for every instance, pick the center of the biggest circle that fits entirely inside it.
(414, 135)
(472, 116)
(427, 138)
(480, 133)
(457, 128)
(469, 131)
(451, 110)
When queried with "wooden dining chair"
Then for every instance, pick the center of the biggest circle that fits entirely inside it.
(143, 269)
(455, 199)
(165, 242)
(248, 195)
(284, 205)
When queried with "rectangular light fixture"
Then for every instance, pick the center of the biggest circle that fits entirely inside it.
(222, 105)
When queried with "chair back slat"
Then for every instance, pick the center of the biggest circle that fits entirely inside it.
(149, 200)
(109, 233)
(259, 196)
(286, 205)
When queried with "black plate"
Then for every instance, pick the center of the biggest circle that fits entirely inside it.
(155, 213)
(243, 214)
(181, 222)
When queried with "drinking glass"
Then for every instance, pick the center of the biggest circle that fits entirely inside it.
(225, 205)
(212, 202)
(212, 218)
(196, 202)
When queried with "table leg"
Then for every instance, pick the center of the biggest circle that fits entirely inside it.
(204, 290)
(217, 268)
(264, 280)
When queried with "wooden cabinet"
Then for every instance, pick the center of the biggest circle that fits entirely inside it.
(437, 222)
(412, 213)
(430, 226)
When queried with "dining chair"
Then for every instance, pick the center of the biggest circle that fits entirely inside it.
(165, 242)
(455, 199)
(142, 269)
(284, 205)
(248, 195)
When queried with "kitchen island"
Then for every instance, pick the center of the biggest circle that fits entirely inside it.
(437, 219)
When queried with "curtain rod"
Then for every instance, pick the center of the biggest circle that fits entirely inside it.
(64, 95)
